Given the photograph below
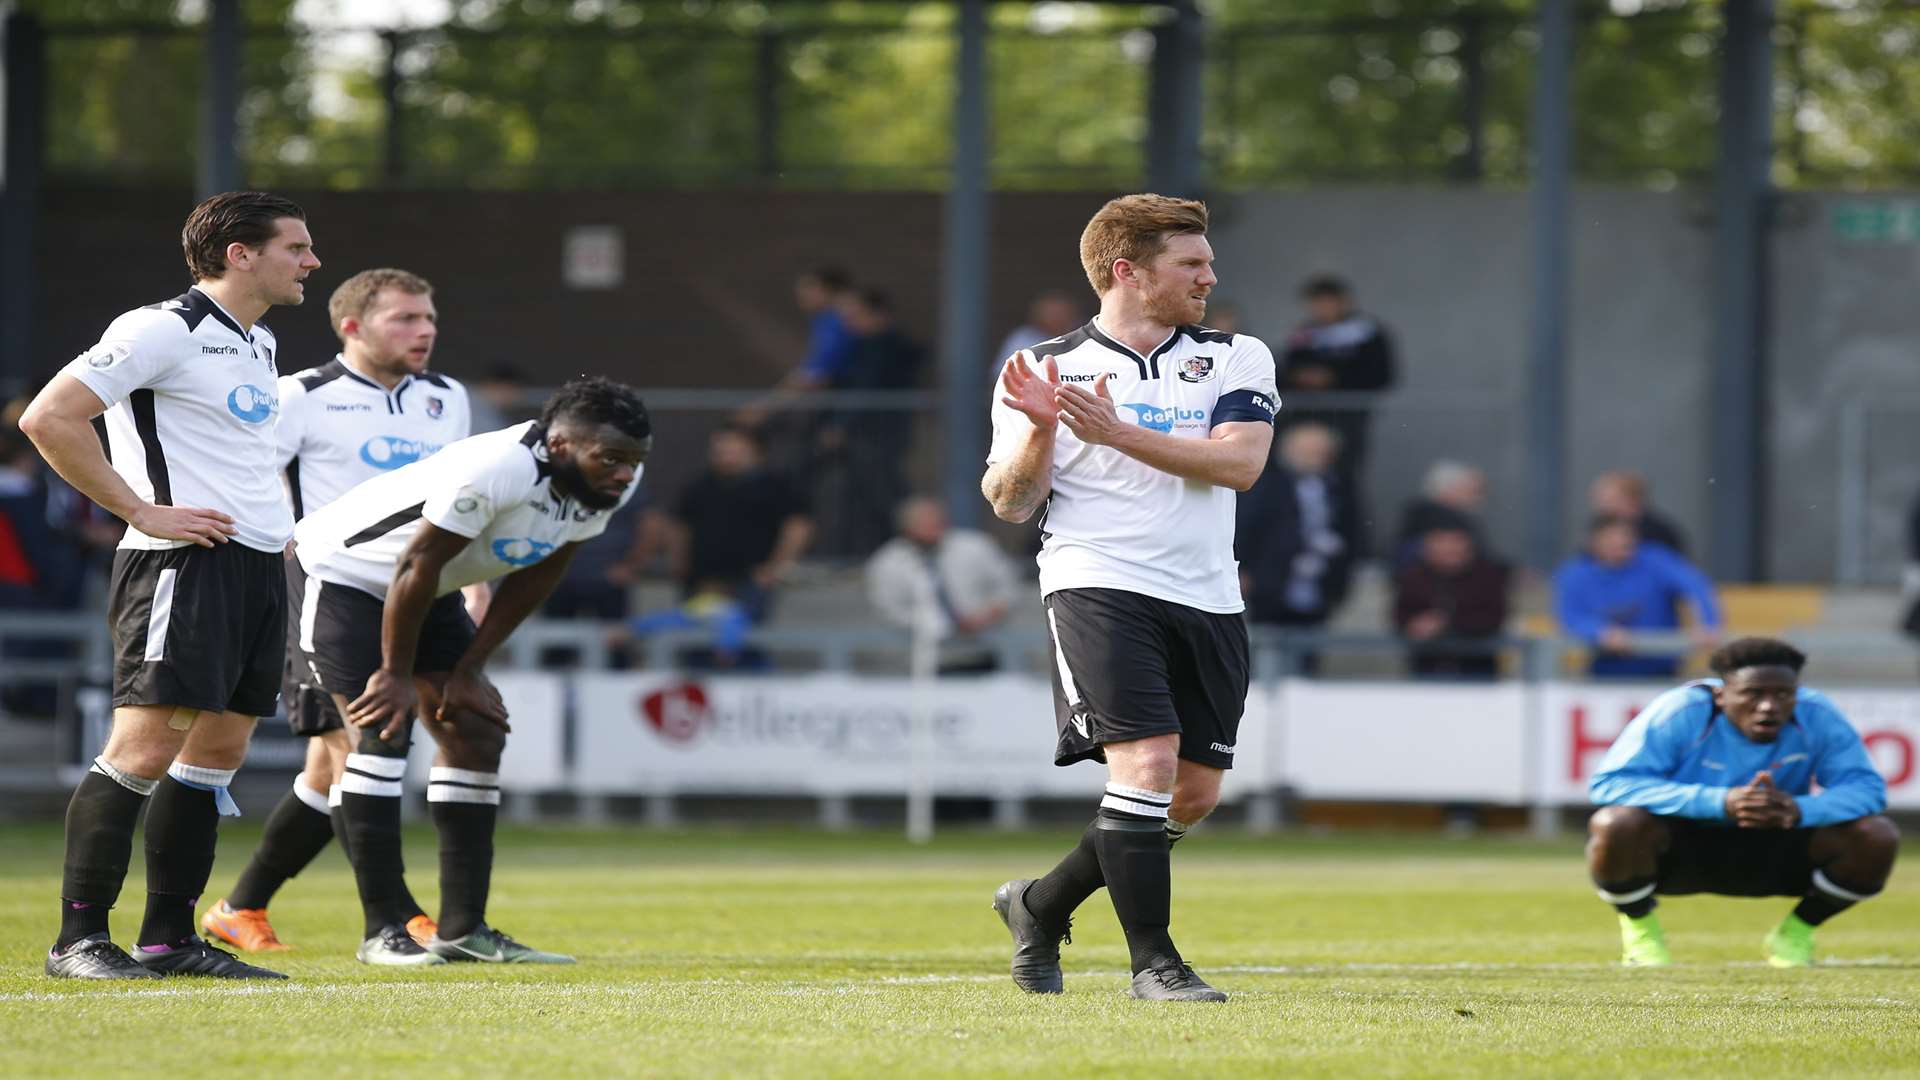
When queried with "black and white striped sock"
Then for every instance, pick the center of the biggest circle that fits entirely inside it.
(369, 810)
(1131, 840)
(465, 805)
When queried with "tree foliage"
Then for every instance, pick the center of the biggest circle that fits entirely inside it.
(844, 93)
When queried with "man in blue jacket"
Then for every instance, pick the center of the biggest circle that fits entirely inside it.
(1710, 789)
(1622, 584)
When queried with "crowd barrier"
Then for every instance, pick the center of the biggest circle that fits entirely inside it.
(836, 735)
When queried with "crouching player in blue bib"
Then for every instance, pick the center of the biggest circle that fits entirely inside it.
(1711, 790)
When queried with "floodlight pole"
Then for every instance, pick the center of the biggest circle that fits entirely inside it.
(1176, 96)
(1547, 325)
(1743, 192)
(25, 61)
(964, 364)
(219, 166)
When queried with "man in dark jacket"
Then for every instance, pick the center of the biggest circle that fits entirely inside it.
(1298, 532)
(1450, 591)
(1338, 349)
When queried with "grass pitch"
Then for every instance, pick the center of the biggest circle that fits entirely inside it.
(799, 954)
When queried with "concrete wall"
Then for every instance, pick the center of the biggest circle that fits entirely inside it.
(707, 303)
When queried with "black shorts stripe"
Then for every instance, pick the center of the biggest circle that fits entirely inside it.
(387, 524)
(141, 402)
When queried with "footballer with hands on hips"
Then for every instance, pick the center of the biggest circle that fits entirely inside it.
(169, 424)
(384, 631)
(1135, 432)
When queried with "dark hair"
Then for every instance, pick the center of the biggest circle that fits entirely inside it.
(1324, 285)
(1755, 652)
(599, 400)
(830, 278)
(234, 217)
(876, 300)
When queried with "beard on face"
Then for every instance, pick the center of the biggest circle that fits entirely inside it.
(571, 480)
(1175, 309)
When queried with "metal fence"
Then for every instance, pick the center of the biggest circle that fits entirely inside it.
(751, 98)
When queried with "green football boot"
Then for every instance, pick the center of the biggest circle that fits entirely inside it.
(1790, 945)
(489, 946)
(1643, 943)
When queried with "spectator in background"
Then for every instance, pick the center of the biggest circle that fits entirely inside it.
(1623, 494)
(870, 446)
(821, 295)
(49, 535)
(498, 399)
(955, 582)
(1225, 318)
(1621, 585)
(1337, 349)
(1451, 497)
(1298, 532)
(599, 582)
(1450, 589)
(1052, 314)
(736, 532)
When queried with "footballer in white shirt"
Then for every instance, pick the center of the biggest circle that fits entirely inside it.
(169, 424)
(374, 408)
(1135, 432)
(383, 630)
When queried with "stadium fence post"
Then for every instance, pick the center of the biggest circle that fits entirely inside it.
(925, 662)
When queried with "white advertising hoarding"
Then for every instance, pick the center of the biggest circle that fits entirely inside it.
(826, 734)
(1582, 720)
(535, 759)
(1410, 741)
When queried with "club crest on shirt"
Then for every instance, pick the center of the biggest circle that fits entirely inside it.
(436, 406)
(1196, 368)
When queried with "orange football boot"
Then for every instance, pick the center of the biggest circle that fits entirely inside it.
(246, 929)
(420, 928)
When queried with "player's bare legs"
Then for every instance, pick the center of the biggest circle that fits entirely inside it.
(1624, 845)
(1196, 791)
(1851, 862)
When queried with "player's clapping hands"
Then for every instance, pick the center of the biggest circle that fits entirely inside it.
(1760, 805)
(1033, 392)
(1091, 415)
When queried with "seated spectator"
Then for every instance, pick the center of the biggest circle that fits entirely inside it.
(1623, 494)
(48, 535)
(1052, 314)
(1451, 497)
(1298, 532)
(598, 583)
(956, 583)
(735, 535)
(870, 446)
(1450, 590)
(1622, 584)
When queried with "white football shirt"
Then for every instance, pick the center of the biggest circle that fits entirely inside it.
(1116, 523)
(192, 412)
(495, 488)
(339, 428)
